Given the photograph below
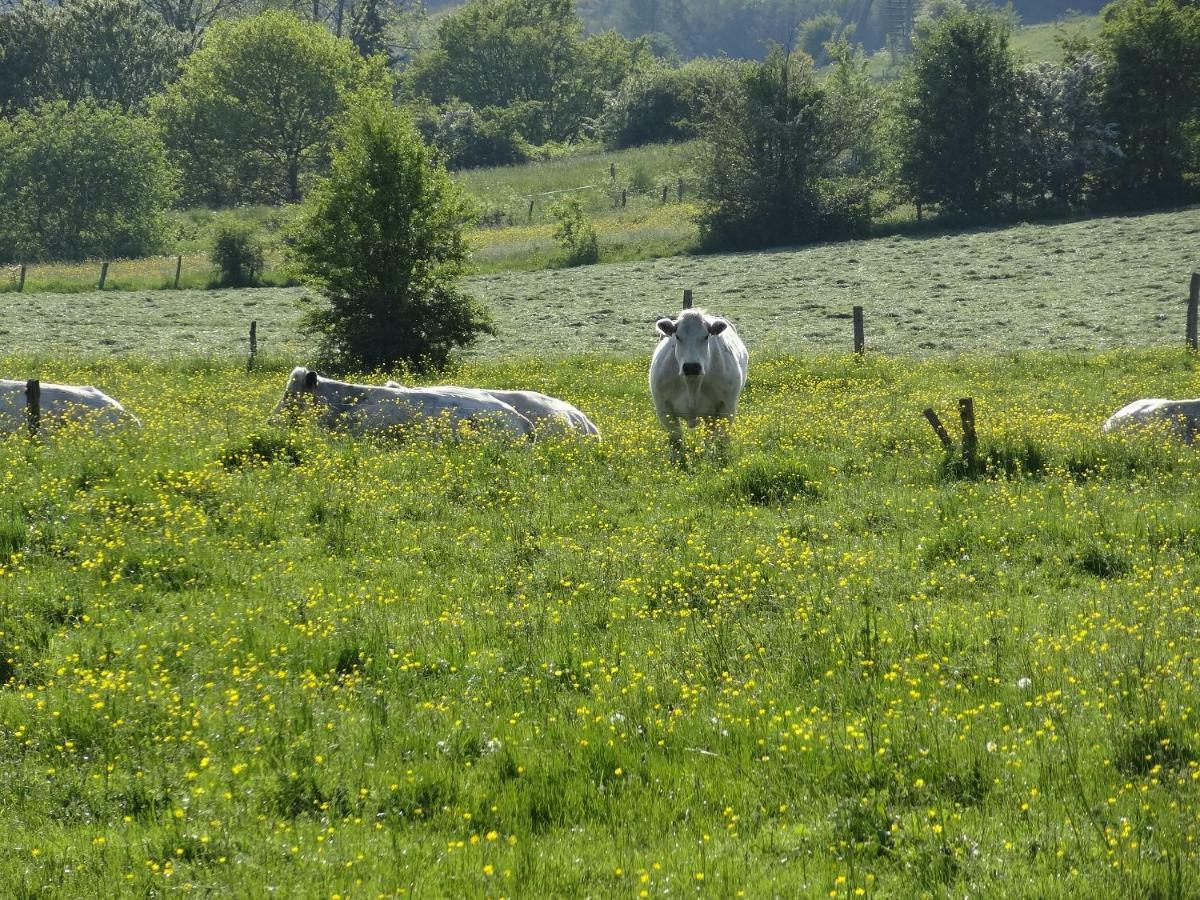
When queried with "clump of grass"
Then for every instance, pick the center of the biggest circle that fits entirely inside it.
(763, 480)
(259, 449)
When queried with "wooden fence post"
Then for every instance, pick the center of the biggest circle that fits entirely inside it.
(622, 198)
(253, 344)
(860, 339)
(687, 298)
(21, 279)
(612, 171)
(938, 428)
(679, 190)
(664, 199)
(178, 268)
(1193, 303)
(103, 275)
(966, 412)
(33, 405)
(530, 218)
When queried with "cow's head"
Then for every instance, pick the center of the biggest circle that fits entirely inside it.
(297, 395)
(689, 335)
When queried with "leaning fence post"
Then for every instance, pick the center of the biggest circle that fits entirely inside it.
(253, 344)
(860, 340)
(1193, 303)
(178, 268)
(938, 428)
(966, 412)
(21, 279)
(530, 216)
(103, 275)
(687, 298)
(33, 405)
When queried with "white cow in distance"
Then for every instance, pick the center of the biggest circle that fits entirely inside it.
(697, 372)
(363, 408)
(61, 403)
(548, 414)
(1181, 417)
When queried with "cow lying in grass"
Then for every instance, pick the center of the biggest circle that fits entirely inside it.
(697, 373)
(549, 415)
(1180, 417)
(60, 403)
(362, 408)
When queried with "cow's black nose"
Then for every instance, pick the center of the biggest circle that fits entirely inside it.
(692, 369)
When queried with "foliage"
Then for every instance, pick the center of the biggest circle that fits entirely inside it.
(958, 115)
(469, 139)
(237, 252)
(525, 53)
(1152, 48)
(575, 234)
(193, 17)
(817, 32)
(103, 50)
(657, 103)
(82, 180)
(382, 238)
(1064, 142)
(773, 141)
(249, 119)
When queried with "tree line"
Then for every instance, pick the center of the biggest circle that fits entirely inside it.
(111, 110)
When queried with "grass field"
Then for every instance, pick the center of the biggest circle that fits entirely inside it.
(240, 662)
(1111, 282)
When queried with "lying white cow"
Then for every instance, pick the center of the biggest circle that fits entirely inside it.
(59, 403)
(1181, 417)
(698, 372)
(548, 414)
(361, 408)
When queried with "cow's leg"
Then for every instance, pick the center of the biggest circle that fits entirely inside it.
(674, 431)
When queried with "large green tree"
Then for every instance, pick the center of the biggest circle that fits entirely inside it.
(1152, 48)
(249, 118)
(529, 54)
(81, 180)
(104, 50)
(382, 239)
(957, 118)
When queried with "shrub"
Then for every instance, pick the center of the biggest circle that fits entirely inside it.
(382, 239)
(575, 234)
(470, 138)
(79, 181)
(660, 104)
(237, 252)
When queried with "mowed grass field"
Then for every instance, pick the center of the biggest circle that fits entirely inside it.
(244, 662)
(1096, 283)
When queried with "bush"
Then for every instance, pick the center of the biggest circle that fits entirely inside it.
(471, 139)
(237, 252)
(80, 181)
(382, 239)
(660, 104)
(575, 234)
(774, 150)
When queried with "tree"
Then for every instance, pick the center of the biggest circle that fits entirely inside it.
(250, 116)
(78, 181)
(957, 116)
(656, 104)
(382, 239)
(192, 17)
(104, 50)
(1152, 48)
(525, 53)
(776, 152)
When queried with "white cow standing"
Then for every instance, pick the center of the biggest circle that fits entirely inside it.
(1182, 417)
(548, 414)
(697, 372)
(363, 408)
(60, 403)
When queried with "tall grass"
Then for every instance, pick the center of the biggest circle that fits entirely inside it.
(242, 661)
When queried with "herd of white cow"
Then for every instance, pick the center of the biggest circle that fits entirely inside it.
(697, 373)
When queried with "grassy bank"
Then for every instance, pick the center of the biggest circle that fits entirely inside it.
(243, 662)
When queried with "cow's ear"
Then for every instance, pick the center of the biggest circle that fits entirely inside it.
(666, 326)
(310, 380)
(716, 326)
